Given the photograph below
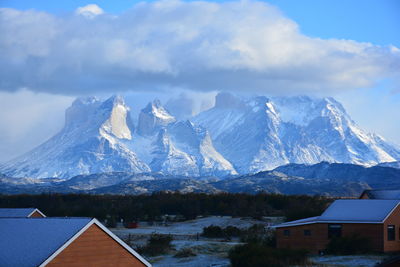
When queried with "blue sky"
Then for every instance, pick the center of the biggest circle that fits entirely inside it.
(356, 59)
(376, 21)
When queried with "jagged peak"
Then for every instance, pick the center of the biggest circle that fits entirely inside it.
(153, 117)
(85, 101)
(156, 109)
(113, 101)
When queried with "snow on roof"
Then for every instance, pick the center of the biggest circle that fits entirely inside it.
(16, 213)
(383, 194)
(351, 211)
(29, 242)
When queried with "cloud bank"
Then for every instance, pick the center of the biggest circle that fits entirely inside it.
(246, 46)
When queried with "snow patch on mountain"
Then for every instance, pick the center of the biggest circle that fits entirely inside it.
(237, 136)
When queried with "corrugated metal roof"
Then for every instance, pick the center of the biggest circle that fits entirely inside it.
(371, 210)
(351, 211)
(15, 213)
(29, 242)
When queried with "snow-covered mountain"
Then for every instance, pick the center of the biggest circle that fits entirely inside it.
(393, 164)
(90, 142)
(177, 148)
(236, 136)
(262, 133)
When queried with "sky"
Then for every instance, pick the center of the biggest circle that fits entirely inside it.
(54, 51)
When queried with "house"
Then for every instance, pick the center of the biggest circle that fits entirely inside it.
(380, 194)
(21, 213)
(62, 242)
(377, 220)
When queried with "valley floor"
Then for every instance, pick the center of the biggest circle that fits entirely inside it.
(213, 252)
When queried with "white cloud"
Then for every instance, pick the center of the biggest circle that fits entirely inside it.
(243, 46)
(89, 11)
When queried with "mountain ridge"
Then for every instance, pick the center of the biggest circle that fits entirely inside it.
(236, 136)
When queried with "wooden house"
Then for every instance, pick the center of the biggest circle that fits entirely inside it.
(376, 220)
(21, 213)
(63, 242)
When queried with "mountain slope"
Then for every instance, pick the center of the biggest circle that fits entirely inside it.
(393, 164)
(245, 133)
(262, 133)
(176, 148)
(88, 143)
(376, 176)
(236, 136)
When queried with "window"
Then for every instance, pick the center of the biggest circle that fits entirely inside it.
(307, 232)
(334, 230)
(286, 232)
(391, 233)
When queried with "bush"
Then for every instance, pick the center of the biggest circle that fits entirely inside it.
(216, 231)
(184, 253)
(157, 244)
(254, 234)
(213, 231)
(258, 255)
(232, 231)
(349, 245)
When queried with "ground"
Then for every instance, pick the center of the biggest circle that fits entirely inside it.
(213, 252)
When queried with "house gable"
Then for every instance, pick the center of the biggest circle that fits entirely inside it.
(392, 219)
(95, 245)
(95, 248)
(36, 214)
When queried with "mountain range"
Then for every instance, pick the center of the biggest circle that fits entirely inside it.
(329, 179)
(236, 137)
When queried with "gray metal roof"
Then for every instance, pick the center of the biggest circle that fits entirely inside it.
(351, 211)
(29, 242)
(370, 210)
(15, 213)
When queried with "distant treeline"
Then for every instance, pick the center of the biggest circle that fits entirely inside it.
(154, 206)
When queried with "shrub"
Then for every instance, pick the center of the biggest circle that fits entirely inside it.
(258, 255)
(184, 253)
(254, 234)
(349, 245)
(216, 231)
(213, 231)
(157, 244)
(232, 231)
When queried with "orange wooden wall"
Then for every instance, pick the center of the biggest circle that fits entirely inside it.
(393, 219)
(36, 215)
(95, 248)
(319, 236)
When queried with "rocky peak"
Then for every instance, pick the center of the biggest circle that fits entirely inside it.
(153, 117)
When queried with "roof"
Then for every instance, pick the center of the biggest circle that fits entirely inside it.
(298, 222)
(36, 241)
(351, 211)
(382, 194)
(29, 242)
(18, 213)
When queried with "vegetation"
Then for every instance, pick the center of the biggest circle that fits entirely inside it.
(349, 245)
(153, 207)
(260, 255)
(260, 250)
(213, 231)
(157, 244)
